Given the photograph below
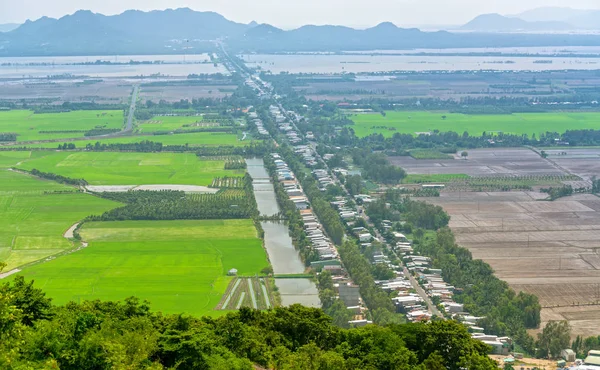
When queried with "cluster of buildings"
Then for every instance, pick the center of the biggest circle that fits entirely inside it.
(257, 84)
(439, 292)
(260, 127)
(307, 154)
(284, 125)
(313, 228)
(323, 178)
(347, 214)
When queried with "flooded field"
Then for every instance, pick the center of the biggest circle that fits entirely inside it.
(319, 63)
(167, 65)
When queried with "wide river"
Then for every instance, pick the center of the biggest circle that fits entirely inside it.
(278, 243)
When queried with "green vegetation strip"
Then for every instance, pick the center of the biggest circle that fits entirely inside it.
(436, 178)
(429, 154)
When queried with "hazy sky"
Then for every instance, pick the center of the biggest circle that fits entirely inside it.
(291, 13)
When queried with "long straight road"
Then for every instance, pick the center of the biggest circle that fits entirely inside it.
(134, 95)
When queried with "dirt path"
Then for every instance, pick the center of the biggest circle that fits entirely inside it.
(69, 234)
(252, 295)
(7, 274)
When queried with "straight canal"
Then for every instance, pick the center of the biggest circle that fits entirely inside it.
(284, 258)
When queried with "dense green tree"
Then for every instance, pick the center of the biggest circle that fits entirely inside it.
(555, 337)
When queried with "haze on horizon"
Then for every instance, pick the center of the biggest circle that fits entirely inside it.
(294, 13)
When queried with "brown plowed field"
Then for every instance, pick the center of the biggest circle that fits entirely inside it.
(550, 249)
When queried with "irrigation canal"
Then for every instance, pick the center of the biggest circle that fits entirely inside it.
(284, 258)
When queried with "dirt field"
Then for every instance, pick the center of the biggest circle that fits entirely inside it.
(584, 163)
(483, 162)
(107, 91)
(550, 249)
(176, 93)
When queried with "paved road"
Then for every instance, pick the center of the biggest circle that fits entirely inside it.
(432, 307)
(129, 125)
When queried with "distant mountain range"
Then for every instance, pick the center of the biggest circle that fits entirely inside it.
(500, 23)
(8, 27)
(547, 19)
(187, 31)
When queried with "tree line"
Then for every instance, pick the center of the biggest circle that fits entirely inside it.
(194, 130)
(35, 334)
(147, 146)
(178, 205)
(71, 106)
(360, 269)
(292, 216)
(376, 167)
(101, 131)
(58, 178)
(8, 136)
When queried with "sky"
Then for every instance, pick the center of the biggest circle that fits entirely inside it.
(294, 13)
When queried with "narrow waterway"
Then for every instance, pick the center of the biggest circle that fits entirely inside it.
(264, 192)
(284, 258)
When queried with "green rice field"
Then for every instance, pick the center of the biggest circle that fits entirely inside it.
(115, 168)
(179, 266)
(32, 222)
(522, 123)
(192, 139)
(28, 125)
(168, 123)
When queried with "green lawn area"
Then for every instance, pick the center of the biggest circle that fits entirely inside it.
(115, 168)
(192, 139)
(167, 123)
(28, 125)
(32, 223)
(522, 123)
(179, 266)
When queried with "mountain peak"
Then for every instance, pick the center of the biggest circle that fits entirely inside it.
(83, 13)
(386, 26)
(494, 22)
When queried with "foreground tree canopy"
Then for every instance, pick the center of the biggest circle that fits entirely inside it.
(34, 334)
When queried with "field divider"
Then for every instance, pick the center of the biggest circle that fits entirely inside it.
(266, 293)
(252, 295)
(240, 301)
(231, 293)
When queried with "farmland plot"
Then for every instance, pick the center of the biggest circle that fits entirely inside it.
(47, 126)
(521, 123)
(179, 266)
(109, 168)
(546, 248)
